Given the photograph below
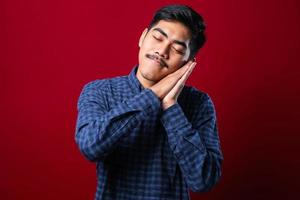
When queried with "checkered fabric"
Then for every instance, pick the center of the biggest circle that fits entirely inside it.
(141, 151)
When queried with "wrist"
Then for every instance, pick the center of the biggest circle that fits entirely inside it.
(168, 104)
(157, 92)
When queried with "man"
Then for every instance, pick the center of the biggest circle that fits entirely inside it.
(151, 136)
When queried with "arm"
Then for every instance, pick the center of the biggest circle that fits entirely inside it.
(195, 144)
(98, 129)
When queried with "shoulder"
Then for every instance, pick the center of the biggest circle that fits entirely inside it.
(96, 84)
(195, 99)
(193, 94)
(103, 84)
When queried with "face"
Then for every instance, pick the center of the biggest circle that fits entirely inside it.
(163, 49)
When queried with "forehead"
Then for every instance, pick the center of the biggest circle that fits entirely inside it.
(174, 30)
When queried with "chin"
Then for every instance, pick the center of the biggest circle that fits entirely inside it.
(152, 72)
(150, 76)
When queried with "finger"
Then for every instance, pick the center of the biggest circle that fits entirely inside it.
(187, 66)
(187, 73)
(172, 79)
(183, 69)
(183, 79)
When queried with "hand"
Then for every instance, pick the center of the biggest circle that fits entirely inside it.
(169, 88)
(171, 98)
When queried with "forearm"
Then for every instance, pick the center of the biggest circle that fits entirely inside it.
(96, 138)
(197, 150)
(98, 131)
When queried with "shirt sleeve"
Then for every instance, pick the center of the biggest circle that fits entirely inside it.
(195, 144)
(98, 129)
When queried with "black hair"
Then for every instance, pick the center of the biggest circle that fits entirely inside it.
(188, 17)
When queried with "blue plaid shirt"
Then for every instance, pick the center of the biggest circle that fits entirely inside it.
(141, 151)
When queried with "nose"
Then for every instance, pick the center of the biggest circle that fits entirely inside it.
(163, 51)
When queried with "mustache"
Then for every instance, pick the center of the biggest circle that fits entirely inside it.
(158, 58)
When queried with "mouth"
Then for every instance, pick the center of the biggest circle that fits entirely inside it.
(157, 59)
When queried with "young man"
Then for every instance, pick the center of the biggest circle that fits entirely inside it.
(151, 136)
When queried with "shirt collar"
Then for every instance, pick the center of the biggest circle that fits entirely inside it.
(134, 82)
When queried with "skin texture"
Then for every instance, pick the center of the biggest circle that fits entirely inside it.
(163, 60)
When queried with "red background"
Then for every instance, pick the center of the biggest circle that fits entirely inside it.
(249, 66)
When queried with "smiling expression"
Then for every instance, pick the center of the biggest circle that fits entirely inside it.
(163, 49)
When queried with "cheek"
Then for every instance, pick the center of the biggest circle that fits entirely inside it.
(177, 63)
(147, 46)
(142, 50)
(149, 43)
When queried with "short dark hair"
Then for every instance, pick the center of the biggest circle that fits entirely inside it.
(188, 17)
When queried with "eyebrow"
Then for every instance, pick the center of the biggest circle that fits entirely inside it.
(165, 34)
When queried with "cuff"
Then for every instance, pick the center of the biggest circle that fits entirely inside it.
(146, 101)
(174, 118)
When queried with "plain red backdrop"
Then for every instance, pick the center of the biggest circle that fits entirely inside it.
(249, 66)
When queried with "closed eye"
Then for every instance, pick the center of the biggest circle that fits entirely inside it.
(178, 51)
(157, 38)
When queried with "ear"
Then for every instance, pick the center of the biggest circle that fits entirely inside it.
(143, 36)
